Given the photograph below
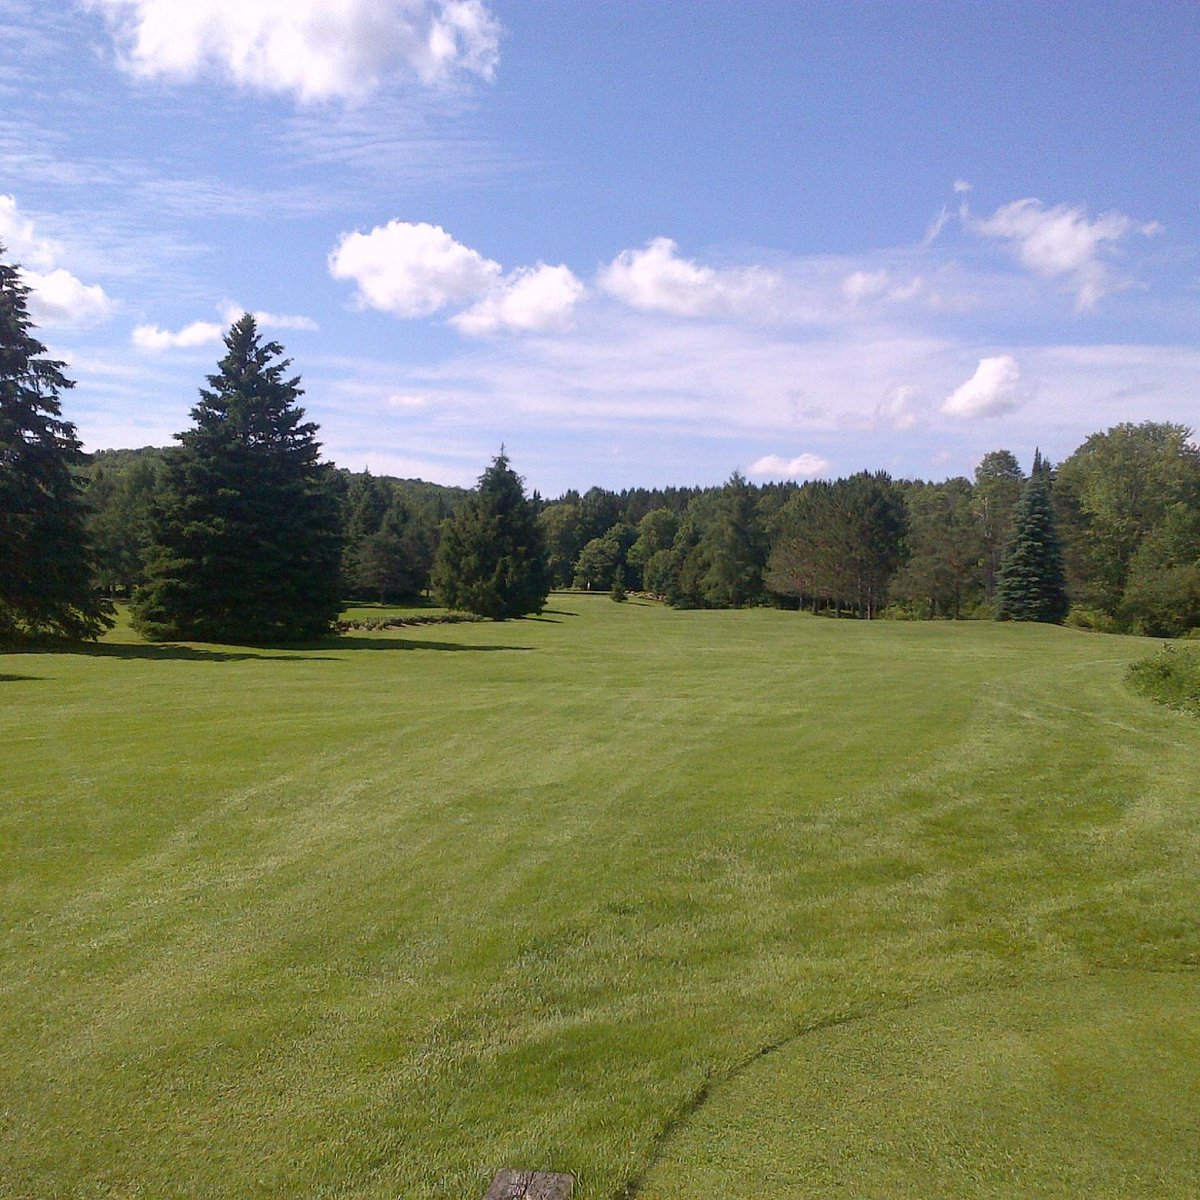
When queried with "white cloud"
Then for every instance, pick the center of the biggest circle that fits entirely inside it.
(935, 227)
(1061, 242)
(412, 270)
(17, 234)
(863, 285)
(530, 300)
(56, 296)
(314, 49)
(198, 333)
(803, 466)
(961, 186)
(995, 388)
(878, 285)
(269, 320)
(896, 409)
(656, 279)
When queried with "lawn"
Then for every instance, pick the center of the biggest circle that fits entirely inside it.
(679, 902)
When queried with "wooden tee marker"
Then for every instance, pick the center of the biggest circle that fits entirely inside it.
(530, 1185)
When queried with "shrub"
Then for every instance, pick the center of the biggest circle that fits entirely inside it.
(1092, 619)
(1172, 677)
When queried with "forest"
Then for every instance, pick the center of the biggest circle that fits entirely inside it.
(243, 533)
(1125, 508)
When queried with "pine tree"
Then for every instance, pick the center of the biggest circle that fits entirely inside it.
(491, 560)
(1032, 583)
(46, 565)
(734, 548)
(245, 542)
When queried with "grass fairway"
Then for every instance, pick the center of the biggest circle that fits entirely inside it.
(375, 919)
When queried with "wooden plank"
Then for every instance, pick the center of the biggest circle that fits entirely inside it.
(530, 1185)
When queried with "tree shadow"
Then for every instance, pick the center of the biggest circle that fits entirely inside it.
(20, 678)
(558, 612)
(168, 652)
(393, 643)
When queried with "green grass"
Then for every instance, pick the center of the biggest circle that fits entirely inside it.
(416, 607)
(374, 919)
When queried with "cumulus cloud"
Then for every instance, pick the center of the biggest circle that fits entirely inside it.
(656, 279)
(198, 333)
(995, 388)
(415, 270)
(530, 300)
(412, 270)
(21, 241)
(313, 49)
(56, 296)
(1061, 242)
(803, 466)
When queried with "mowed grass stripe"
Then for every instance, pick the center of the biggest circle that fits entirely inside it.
(374, 919)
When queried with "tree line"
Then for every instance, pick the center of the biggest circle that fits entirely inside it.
(1110, 535)
(242, 532)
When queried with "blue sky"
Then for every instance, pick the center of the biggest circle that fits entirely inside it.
(638, 243)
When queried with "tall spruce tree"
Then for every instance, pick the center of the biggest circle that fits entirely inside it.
(492, 560)
(1032, 583)
(245, 542)
(46, 566)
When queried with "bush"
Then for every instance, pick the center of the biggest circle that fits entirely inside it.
(1172, 677)
(1092, 619)
(912, 610)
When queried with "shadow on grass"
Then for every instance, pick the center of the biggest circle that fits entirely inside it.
(19, 678)
(392, 643)
(180, 652)
(177, 652)
(557, 612)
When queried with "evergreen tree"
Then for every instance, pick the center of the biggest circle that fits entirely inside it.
(245, 543)
(46, 566)
(491, 560)
(1032, 584)
(394, 561)
(734, 547)
(364, 507)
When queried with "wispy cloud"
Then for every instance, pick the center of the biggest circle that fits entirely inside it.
(268, 320)
(1061, 242)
